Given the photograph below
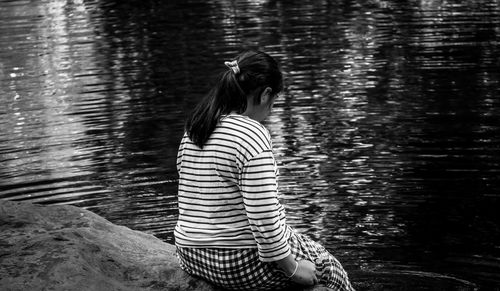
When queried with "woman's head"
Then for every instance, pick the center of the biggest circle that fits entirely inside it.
(257, 71)
(251, 76)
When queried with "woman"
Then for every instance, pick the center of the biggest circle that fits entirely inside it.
(232, 229)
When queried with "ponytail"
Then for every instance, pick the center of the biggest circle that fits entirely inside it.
(250, 71)
(224, 97)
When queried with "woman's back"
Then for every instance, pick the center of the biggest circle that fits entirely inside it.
(216, 182)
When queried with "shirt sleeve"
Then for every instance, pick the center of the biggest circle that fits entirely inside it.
(264, 211)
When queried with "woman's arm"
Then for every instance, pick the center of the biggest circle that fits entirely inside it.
(259, 190)
(264, 212)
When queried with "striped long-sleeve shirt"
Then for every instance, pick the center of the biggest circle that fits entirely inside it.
(228, 192)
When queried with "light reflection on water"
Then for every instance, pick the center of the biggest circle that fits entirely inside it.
(387, 134)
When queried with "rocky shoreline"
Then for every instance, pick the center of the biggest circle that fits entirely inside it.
(69, 248)
(62, 247)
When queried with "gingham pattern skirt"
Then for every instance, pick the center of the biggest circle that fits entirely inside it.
(241, 269)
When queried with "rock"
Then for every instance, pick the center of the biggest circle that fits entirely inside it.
(61, 247)
(68, 248)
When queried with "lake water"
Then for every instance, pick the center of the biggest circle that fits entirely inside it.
(387, 135)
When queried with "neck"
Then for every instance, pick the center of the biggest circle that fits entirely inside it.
(256, 112)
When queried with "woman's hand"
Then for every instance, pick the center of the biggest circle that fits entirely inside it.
(306, 273)
(302, 272)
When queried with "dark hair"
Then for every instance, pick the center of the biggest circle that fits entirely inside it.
(257, 70)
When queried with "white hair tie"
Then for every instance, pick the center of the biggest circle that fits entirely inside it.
(233, 65)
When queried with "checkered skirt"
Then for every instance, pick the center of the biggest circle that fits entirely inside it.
(241, 269)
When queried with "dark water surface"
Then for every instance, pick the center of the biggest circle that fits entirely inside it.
(388, 134)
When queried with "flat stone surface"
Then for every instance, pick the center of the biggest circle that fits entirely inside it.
(62, 247)
(69, 248)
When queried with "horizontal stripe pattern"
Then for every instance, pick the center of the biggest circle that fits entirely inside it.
(228, 191)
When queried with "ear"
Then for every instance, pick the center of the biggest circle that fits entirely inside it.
(266, 95)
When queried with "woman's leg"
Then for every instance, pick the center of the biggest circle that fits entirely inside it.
(232, 269)
(329, 271)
